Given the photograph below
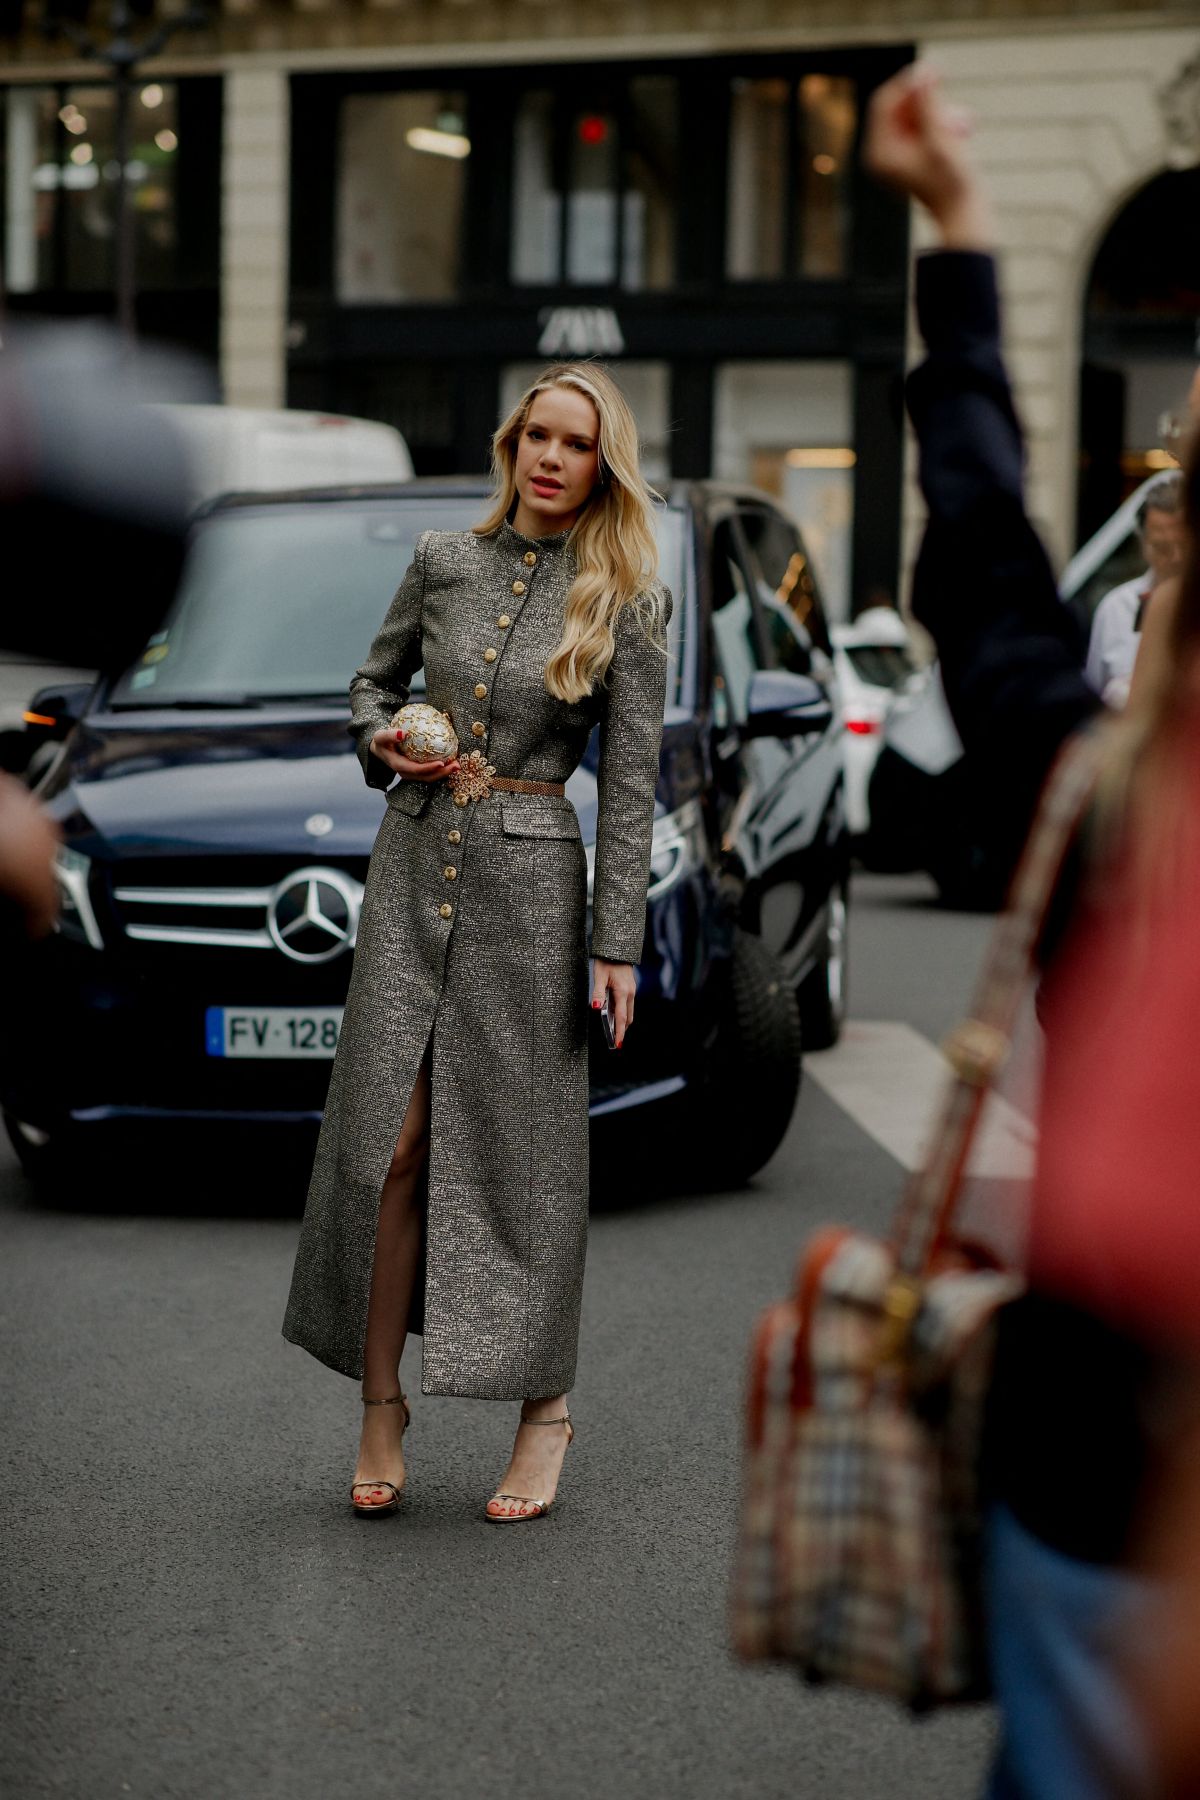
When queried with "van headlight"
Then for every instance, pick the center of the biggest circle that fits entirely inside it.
(76, 918)
(677, 848)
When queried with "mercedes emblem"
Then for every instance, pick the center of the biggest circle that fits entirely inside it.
(313, 915)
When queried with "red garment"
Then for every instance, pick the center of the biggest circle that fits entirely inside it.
(1116, 1211)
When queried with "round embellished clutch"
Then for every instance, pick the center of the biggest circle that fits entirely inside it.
(428, 734)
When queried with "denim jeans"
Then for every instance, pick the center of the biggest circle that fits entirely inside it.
(1057, 1630)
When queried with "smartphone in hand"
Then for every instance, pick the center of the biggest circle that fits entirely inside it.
(608, 1019)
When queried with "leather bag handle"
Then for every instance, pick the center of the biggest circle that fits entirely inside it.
(979, 1047)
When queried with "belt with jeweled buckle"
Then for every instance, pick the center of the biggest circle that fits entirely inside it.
(475, 777)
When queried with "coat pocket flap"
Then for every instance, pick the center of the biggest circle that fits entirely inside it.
(410, 796)
(538, 815)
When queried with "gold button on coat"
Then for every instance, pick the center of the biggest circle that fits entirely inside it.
(455, 837)
(450, 872)
(480, 690)
(529, 558)
(445, 909)
(518, 587)
(478, 728)
(504, 621)
(489, 654)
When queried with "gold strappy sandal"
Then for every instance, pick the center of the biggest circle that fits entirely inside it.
(539, 1508)
(381, 1509)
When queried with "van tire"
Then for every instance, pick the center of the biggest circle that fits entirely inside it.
(744, 1100)
(41, 1162)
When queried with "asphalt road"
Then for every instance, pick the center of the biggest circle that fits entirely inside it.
(194, 1613)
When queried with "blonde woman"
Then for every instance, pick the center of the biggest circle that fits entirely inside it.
(450, 1189)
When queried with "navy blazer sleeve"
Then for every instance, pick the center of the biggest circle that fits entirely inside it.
(1011, 654)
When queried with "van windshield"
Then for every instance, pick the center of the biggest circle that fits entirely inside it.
(282, 603)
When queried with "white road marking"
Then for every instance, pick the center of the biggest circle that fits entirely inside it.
(890, 1080)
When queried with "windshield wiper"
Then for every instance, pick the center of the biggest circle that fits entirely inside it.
(187, 703)
(340, 698)
(229, 702)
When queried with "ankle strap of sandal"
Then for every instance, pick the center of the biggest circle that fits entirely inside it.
(565, 1420)
(393, 1400)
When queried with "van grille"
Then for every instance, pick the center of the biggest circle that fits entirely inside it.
(311, 915)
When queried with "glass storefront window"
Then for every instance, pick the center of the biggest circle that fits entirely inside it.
(786, 427)
(61, 184)
(789, 172)
(651, 178)
(646, 386)
(827, 121)
(537, 203)
(594, 188)
(758, 162)
(401, 186)
(592, 199)
(31, 178)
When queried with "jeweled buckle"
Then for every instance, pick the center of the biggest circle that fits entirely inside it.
(472, 780)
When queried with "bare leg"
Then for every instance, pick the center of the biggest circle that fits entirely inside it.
(537, 1459)
(397, 1248)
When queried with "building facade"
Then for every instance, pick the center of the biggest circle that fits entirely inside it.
(403, 209)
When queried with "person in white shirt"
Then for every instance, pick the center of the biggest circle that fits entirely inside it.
(1117, 624)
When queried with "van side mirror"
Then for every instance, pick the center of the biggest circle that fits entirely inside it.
(780, 704)
(53, 711)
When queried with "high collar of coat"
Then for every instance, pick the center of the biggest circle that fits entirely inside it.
(509, 539)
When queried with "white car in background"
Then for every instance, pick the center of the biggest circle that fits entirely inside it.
(873, 658)
(925, 809)
(243, 449)
(230, 449)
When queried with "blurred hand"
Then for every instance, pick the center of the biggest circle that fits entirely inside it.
(621, 978)
(386, 746)
(28, 841)
(917, 142)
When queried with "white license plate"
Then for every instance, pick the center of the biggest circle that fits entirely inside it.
(272, 1031)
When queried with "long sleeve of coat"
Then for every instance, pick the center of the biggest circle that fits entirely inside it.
(631, 723)
(382, 684)
(1011, 653)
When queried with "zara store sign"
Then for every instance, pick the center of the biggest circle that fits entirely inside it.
(580, 331)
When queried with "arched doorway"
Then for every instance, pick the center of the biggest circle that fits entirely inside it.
(1141, 341)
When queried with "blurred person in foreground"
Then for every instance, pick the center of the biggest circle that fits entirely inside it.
(1095, 1368)
(1117, 625)
(93, 504)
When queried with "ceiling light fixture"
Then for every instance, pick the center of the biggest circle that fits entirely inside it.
(820, 459)
(437, 143)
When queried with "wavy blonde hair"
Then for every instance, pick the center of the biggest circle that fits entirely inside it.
(613, 539)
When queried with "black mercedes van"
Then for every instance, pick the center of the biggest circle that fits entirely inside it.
(217, 830)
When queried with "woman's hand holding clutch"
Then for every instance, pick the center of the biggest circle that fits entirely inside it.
(386, 745)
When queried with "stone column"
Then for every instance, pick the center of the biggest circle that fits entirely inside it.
(254, 238)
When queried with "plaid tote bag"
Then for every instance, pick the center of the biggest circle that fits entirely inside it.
(858, 1558)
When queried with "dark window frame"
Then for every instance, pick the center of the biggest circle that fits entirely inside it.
(877, 253)
(818, 628)
(187, 311)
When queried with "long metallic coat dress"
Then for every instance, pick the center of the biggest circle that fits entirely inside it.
(472, 944)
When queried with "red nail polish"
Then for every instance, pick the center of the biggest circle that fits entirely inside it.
(595, 1006)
